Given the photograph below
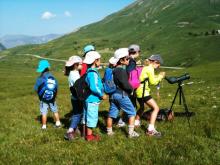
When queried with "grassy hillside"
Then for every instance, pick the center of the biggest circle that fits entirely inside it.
(183, 31)
(23, 142)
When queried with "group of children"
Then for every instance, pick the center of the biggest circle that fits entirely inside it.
(123, 98)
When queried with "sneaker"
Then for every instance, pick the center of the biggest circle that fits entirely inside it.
(137, 123)
(110, 133)
(44, 127)
(121, 124)
(92, 138)
(154, 133)
(69, 135)
(57, 126)
(133, 135)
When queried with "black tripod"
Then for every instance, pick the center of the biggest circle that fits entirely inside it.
(182, 97)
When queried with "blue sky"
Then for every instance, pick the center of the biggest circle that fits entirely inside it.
(40, 17)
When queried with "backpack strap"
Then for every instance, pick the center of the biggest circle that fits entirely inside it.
(144, 82)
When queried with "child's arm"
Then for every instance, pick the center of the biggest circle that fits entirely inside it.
(92, 78)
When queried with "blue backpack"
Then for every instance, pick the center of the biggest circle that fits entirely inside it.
(48, 89)
(108, 81)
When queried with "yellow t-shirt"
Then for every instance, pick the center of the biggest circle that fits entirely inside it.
(147, 72)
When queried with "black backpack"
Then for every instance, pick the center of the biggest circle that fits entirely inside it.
(80, 88)
(163, 115)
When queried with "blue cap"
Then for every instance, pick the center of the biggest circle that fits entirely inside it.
(88, 48)
(43, 64)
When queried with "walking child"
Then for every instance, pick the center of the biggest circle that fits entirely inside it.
(46, 86)
(143, 92)
(73, 65)
(120, 99)
(91, 104)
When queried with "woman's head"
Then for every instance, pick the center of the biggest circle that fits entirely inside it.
(134, 50)
(155, 60)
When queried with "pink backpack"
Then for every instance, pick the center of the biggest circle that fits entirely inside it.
(133, 78)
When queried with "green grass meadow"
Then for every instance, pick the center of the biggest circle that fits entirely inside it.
(23, 142)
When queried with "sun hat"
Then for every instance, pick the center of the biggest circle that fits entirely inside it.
(156, 57)
(72, 60)
(43, 64)
(134, 48)
(91, 57)
(87, 49)
(119, 53)
(112, 61)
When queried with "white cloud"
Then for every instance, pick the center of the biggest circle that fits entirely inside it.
(67, 14)
(47, 15)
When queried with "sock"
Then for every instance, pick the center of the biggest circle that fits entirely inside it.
(137, 122)
(70, 130)
(58, 123)
(109, 130)
(150, 127)
(130, 129)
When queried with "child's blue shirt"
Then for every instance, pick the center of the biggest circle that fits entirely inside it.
(95, 84)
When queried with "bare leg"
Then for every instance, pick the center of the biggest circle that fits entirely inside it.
(109, 122)
(152, 103)
(44, 119)
(56, 116)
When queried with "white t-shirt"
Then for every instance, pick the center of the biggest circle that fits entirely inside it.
(73, 76)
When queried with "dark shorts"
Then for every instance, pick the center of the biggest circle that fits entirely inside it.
(145, 99)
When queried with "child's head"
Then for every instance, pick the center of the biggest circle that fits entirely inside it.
(112, 62)
(87, 49)
(74, 63)
(92, 58)
(155, 60)
(121, 56)
(43, 66)
(134, 50)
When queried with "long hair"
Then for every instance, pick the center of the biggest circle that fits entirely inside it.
(67, 70)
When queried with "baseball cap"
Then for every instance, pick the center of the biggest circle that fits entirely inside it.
(156, 57)
(87, 49)
(91, 57)
(43, 64)
(72, 60)
(119, 53)
(112, 61)
(133, 48)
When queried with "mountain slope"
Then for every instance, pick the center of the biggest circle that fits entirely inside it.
(16, 40)
(183, 31)
(2, 47)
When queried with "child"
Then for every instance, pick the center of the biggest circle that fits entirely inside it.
(143, 92)
(120, 99)
(47, 97)
(91, 104)
(73, 65)
(86, 49)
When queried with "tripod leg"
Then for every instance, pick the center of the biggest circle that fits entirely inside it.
(174, 98)
(185, 107)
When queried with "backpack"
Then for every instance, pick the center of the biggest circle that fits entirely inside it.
(48, 89)
(163, 115)
(133, 77)
(108, 81)
(80, 88)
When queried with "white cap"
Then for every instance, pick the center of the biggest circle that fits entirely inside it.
(91, 57)
(119, 53)
(112, 61)
(72, 60)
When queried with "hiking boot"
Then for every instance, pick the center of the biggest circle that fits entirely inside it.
(154, 133)
(92, 138)
(137, 123)
(133, 135)
(69, 135)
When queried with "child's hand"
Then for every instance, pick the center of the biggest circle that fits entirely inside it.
(162, 74)
(104, 97)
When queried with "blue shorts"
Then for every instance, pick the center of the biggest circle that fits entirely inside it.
(117, 102)
(44, 107)
(90, 114)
